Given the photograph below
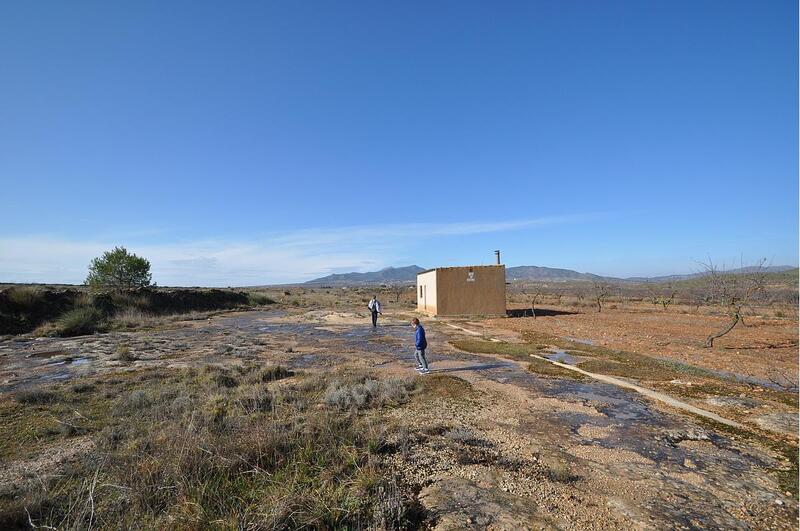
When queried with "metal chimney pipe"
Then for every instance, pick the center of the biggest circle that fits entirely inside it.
(497, 253)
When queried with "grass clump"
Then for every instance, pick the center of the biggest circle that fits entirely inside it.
(559, 470)
(124, 354)
(79, 322)
(24, 298)
(131, 318)
(82, 388)
(35, 396)
(274, 373)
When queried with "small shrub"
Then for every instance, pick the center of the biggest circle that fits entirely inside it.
(79, 321)
(259, 299)
(779, 314)
(225, 380)
(367, 393)
(559, 471)
(132, 402)
(124, 354)
(83, 388)
(256, 399)
(216, 411)
(35, 396)
(70, 428)
(274, 373)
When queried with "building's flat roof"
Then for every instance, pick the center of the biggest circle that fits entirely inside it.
(459, 267)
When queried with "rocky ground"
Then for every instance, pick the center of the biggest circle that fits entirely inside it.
(494, 445)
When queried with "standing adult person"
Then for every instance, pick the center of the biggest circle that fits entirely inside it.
(375, 308)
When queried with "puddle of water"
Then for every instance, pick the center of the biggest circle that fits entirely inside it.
(57, 376)
(562, 357)
(48, 354)
(69, 361)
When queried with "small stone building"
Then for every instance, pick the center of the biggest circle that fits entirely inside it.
(469, 290)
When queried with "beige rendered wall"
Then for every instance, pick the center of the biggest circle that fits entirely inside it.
(426, 292)
(481, 293)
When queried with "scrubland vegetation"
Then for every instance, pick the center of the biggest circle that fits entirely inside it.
(76, 311)
(234, 448)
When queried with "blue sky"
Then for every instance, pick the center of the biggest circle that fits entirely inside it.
(257, 142)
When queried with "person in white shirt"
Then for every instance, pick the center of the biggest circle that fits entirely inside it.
(375, 308)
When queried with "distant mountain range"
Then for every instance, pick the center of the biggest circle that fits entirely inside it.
(389, 275)
(408, 274)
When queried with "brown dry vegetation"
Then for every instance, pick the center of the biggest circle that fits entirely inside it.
(764, 345)
(246, 448)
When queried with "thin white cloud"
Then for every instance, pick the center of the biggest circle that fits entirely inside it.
(276, 258)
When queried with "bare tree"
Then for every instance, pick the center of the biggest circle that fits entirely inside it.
(600, 292)
(533, 293)
(663, 294)
(398, 290)
(733, 291)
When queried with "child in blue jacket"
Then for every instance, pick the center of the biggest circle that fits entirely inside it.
(420, 344)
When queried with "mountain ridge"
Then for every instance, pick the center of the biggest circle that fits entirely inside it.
(408, 274)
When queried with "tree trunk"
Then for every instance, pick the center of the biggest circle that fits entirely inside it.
(533, 310)
(711, 338)
(599, 306)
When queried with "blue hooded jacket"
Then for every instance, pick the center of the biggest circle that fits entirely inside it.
(419, 338)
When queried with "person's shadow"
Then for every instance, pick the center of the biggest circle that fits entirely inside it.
(480, 367)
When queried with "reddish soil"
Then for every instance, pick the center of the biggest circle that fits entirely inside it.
(762, 349)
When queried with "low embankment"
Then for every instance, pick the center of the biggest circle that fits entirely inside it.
(75, 311)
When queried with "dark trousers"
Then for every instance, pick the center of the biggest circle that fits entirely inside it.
(374, 318)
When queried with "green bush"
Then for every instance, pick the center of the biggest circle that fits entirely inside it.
(119, 269)
(79, 322)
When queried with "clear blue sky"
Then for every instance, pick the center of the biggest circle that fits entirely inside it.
(254, 142)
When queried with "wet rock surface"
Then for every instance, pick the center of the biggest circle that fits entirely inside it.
(521, 451)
